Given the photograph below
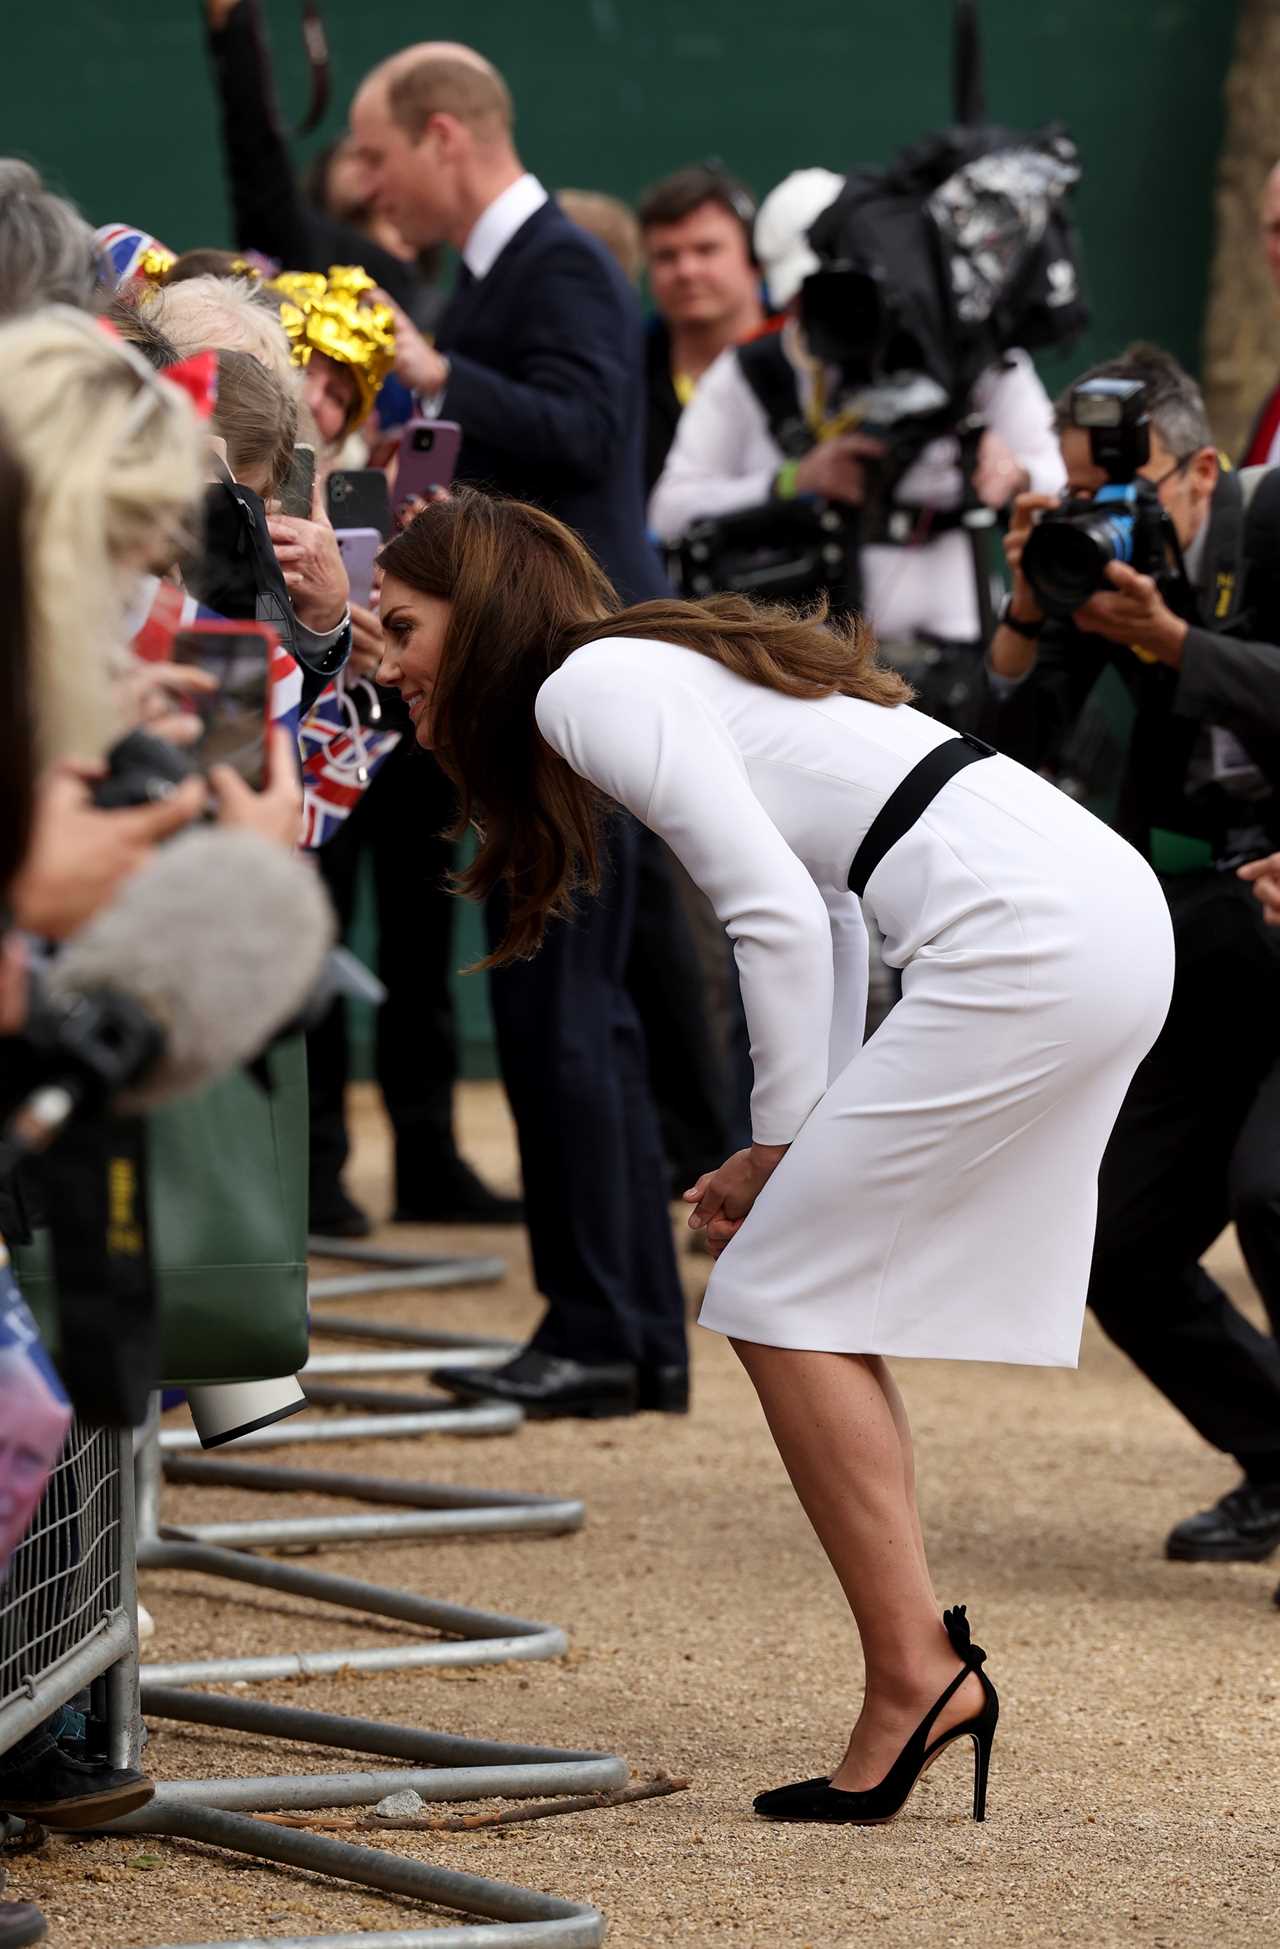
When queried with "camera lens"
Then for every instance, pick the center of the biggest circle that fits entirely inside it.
(1066, 560)
(424, 439)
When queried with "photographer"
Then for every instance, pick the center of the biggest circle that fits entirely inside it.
(757, 431)
(1157, 683)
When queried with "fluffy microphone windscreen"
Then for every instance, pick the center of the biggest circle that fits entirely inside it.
(220, 938)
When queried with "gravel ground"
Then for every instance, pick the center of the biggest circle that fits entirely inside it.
(1133, 1793)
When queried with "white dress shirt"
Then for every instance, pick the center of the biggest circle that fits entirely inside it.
(491, 233)
(725, 458)
(488, 237)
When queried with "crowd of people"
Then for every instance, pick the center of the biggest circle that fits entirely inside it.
(233, 435)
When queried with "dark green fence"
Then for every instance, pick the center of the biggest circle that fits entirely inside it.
(112, 99)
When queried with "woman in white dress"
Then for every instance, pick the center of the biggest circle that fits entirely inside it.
(931, 1193)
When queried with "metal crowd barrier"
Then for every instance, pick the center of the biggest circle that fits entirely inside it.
(68, 1605)
(68, 1621)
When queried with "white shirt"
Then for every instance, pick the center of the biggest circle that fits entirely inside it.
(725, 458)
(492, 232)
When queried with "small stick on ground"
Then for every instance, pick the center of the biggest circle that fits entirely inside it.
(583, 1803)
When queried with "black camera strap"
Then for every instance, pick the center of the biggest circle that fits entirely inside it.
(94, 1181)
(771, 376)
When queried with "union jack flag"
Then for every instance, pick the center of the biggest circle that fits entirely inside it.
(131, 253)
(165, 608)
(339, 756)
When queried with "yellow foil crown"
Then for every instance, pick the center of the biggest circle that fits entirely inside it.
(329, 314)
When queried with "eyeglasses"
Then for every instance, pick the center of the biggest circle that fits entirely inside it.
(1178, 467)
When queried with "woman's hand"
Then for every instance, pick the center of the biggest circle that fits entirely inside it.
(722, 1198)
(312, 565)
(80, 856)
(275, 813)
(366, 641)
(157, 695)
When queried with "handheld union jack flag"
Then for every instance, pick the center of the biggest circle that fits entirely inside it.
(340, 753)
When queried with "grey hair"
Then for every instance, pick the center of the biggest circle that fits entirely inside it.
(227, 314)
(48, 253)
(1174, 400)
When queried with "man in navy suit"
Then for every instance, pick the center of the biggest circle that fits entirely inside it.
(539, 358)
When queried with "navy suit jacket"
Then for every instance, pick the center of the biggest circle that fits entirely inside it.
(546, 380)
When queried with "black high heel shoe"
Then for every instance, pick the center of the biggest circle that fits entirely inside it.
(819, 1800)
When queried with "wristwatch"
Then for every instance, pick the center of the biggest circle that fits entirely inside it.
(1005, 619)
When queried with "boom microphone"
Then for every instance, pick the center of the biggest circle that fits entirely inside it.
(219, 939)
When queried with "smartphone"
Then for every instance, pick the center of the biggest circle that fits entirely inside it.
(358, 498)
(235, 716)
(427, 457)
(359, 550)
(299, 484)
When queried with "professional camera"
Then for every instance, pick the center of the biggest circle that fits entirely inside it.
(1069, 551)
(930, 271)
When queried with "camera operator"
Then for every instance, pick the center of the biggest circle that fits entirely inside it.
(757, 431)
(1175, 655)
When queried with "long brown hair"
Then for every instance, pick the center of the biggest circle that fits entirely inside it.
(525, 592)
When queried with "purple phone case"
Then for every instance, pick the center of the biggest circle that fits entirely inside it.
(359, 550)
(417, 472)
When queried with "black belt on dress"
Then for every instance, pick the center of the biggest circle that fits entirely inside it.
(903, 807)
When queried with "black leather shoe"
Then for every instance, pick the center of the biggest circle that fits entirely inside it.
(1242, 1527)
(546, 1386)
(452, 1194)
(663, 1390)
(61, 1791)
(335, 1215)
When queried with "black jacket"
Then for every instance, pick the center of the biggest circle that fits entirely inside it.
(270, 214)
(1089, 707)
(663, 408)
(547, 382)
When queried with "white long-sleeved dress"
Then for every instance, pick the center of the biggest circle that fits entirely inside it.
(939, 1195)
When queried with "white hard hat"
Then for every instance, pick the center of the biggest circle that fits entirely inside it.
(782, 224)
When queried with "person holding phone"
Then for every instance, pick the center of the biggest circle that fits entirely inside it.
(68, 688)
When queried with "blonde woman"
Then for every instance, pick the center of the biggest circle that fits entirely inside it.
(114, 458)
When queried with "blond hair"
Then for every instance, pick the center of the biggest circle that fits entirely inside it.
(226, 314)
(610, 221)
(114, 458)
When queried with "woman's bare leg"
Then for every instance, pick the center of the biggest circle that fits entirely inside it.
(842, 1432)
(897, 1408)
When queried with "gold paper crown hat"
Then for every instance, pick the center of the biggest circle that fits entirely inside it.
(326, 312)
